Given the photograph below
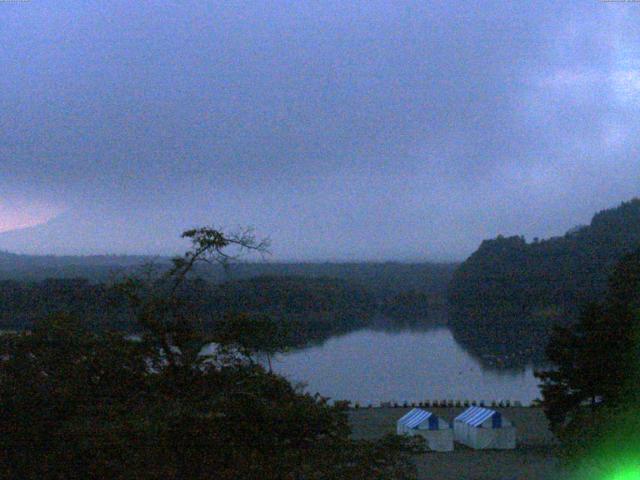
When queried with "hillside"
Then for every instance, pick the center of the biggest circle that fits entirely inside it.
(509, 287)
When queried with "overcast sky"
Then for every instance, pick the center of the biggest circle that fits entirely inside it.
(370, 130)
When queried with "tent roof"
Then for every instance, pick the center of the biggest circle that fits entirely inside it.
(415, 417)
(475, 416)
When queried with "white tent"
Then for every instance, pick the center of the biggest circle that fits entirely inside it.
(436, 432)
(480, 428)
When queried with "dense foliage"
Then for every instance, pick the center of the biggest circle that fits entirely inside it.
(291, 295)
(596, 372)
(513, 291)
(313, 308)
(412, 304)
(310, 308)
(22, 303)
(508, 276)
(76, 403)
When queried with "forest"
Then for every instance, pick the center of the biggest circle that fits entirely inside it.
(507, 276)
(505, 298)
(312, 307)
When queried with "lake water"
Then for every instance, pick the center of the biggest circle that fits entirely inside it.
(373, 366)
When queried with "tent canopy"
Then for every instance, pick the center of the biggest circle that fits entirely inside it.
(437, 432)
(476, 416)
(483, 428)
(417, 418)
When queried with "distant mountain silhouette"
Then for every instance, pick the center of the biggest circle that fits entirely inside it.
(10, 260)
(92, 267)
(85, 230)
(49, 237)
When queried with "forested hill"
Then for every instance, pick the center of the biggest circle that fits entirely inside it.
(508, 277)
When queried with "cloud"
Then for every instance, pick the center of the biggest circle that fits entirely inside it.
(626, 84)
(377, 129)
(15, 214)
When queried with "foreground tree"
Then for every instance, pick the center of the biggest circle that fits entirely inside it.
(596, 383)
(253, 335)
(82, 404)
(54, 383)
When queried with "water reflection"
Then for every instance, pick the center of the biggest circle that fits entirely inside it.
(508, 344)
(403, 364)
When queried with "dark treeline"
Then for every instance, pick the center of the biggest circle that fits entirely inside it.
(511, 292)
(313, 308)
(315, 300)
(509, 276)
(22, 303)
(382, 279)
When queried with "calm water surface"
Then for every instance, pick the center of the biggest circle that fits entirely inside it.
(370, 366)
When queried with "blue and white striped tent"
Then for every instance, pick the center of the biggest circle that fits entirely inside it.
(476, 416)
(416, 417)
(479, 427)
(436, 431)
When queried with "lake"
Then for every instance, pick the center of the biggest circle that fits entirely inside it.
(373, 366)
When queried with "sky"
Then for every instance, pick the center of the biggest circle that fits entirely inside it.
(360, 130)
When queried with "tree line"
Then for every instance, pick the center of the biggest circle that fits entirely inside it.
(509, 293)
(313, 307)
